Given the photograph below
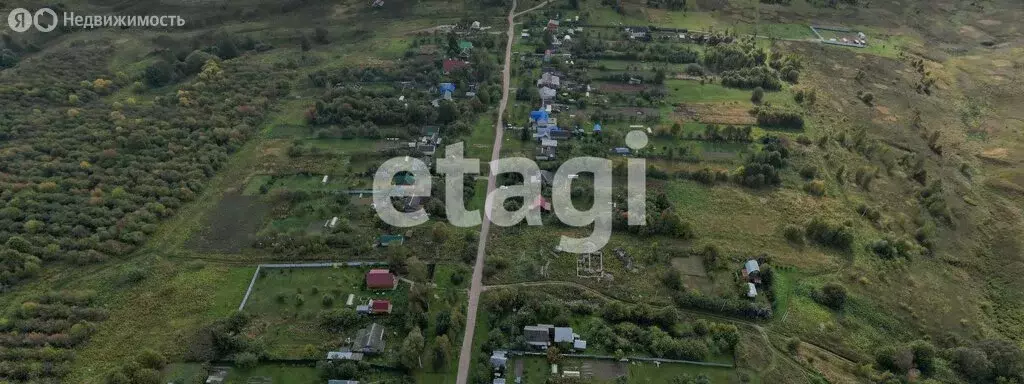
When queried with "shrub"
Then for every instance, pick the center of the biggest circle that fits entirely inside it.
(793, 234)
(815, 187)
(830, 234)
(809, 172)
(757, 95)
(327, 301)
(299, 300)
(832, 295)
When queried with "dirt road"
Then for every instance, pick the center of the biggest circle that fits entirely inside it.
(476, 285)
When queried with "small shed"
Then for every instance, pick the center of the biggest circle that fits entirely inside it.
(751, 290)
(597, 128)
(345, 355)
(324, 181)
(621, 151)
(579, 344)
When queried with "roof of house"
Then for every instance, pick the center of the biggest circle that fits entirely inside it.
(499, 358)
(539, 115)
(380, 278)
(500, 380)
(452, 64)
(547, 93)
(597, 127)
(621, 150)
(548, 143)
(370, 339)
(447, 87)
(751, 266)
(548, 78)
(463, 44)
(563, 335)
(536, 334)
(380, 305)
(342, 382)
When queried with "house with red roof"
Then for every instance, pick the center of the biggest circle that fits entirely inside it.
(450, 65)
(381, 279)
(379, 307)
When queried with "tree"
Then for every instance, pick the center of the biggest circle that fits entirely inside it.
(246, 360)
(412, 348)
(304, 42)
(158, 73)
(8, 58)
(757, 96)
(972, 363)
(226, 47)
(832, 295)
(574, 4)
(659, 76)
(320, 35)
(194, 61)
(417, 269)
(554, 355)
(447, 113)
(442, 355)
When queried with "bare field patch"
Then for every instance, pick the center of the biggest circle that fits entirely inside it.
(690, 266)
(231, 225)
(715, 113)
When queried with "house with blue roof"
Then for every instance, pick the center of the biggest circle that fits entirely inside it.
(446, 90)
(539, 116)
(597, 128)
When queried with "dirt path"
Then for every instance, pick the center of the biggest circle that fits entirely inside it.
(476, 285)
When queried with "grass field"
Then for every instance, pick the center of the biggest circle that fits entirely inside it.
(536, 371)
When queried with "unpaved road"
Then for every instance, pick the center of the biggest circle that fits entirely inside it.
(476, 285)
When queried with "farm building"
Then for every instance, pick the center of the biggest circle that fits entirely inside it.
(381, 279)
(369, 340)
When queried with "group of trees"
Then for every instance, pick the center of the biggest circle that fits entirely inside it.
(145, 368)
(984, 361)
(753, 77)
(764, 166)
(92, 178)
(662, 219)
(830, 234)
(37, 338)
(771, 116)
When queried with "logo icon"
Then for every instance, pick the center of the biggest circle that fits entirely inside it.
(21, 19)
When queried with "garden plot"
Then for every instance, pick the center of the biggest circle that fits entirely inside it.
(287, 305)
